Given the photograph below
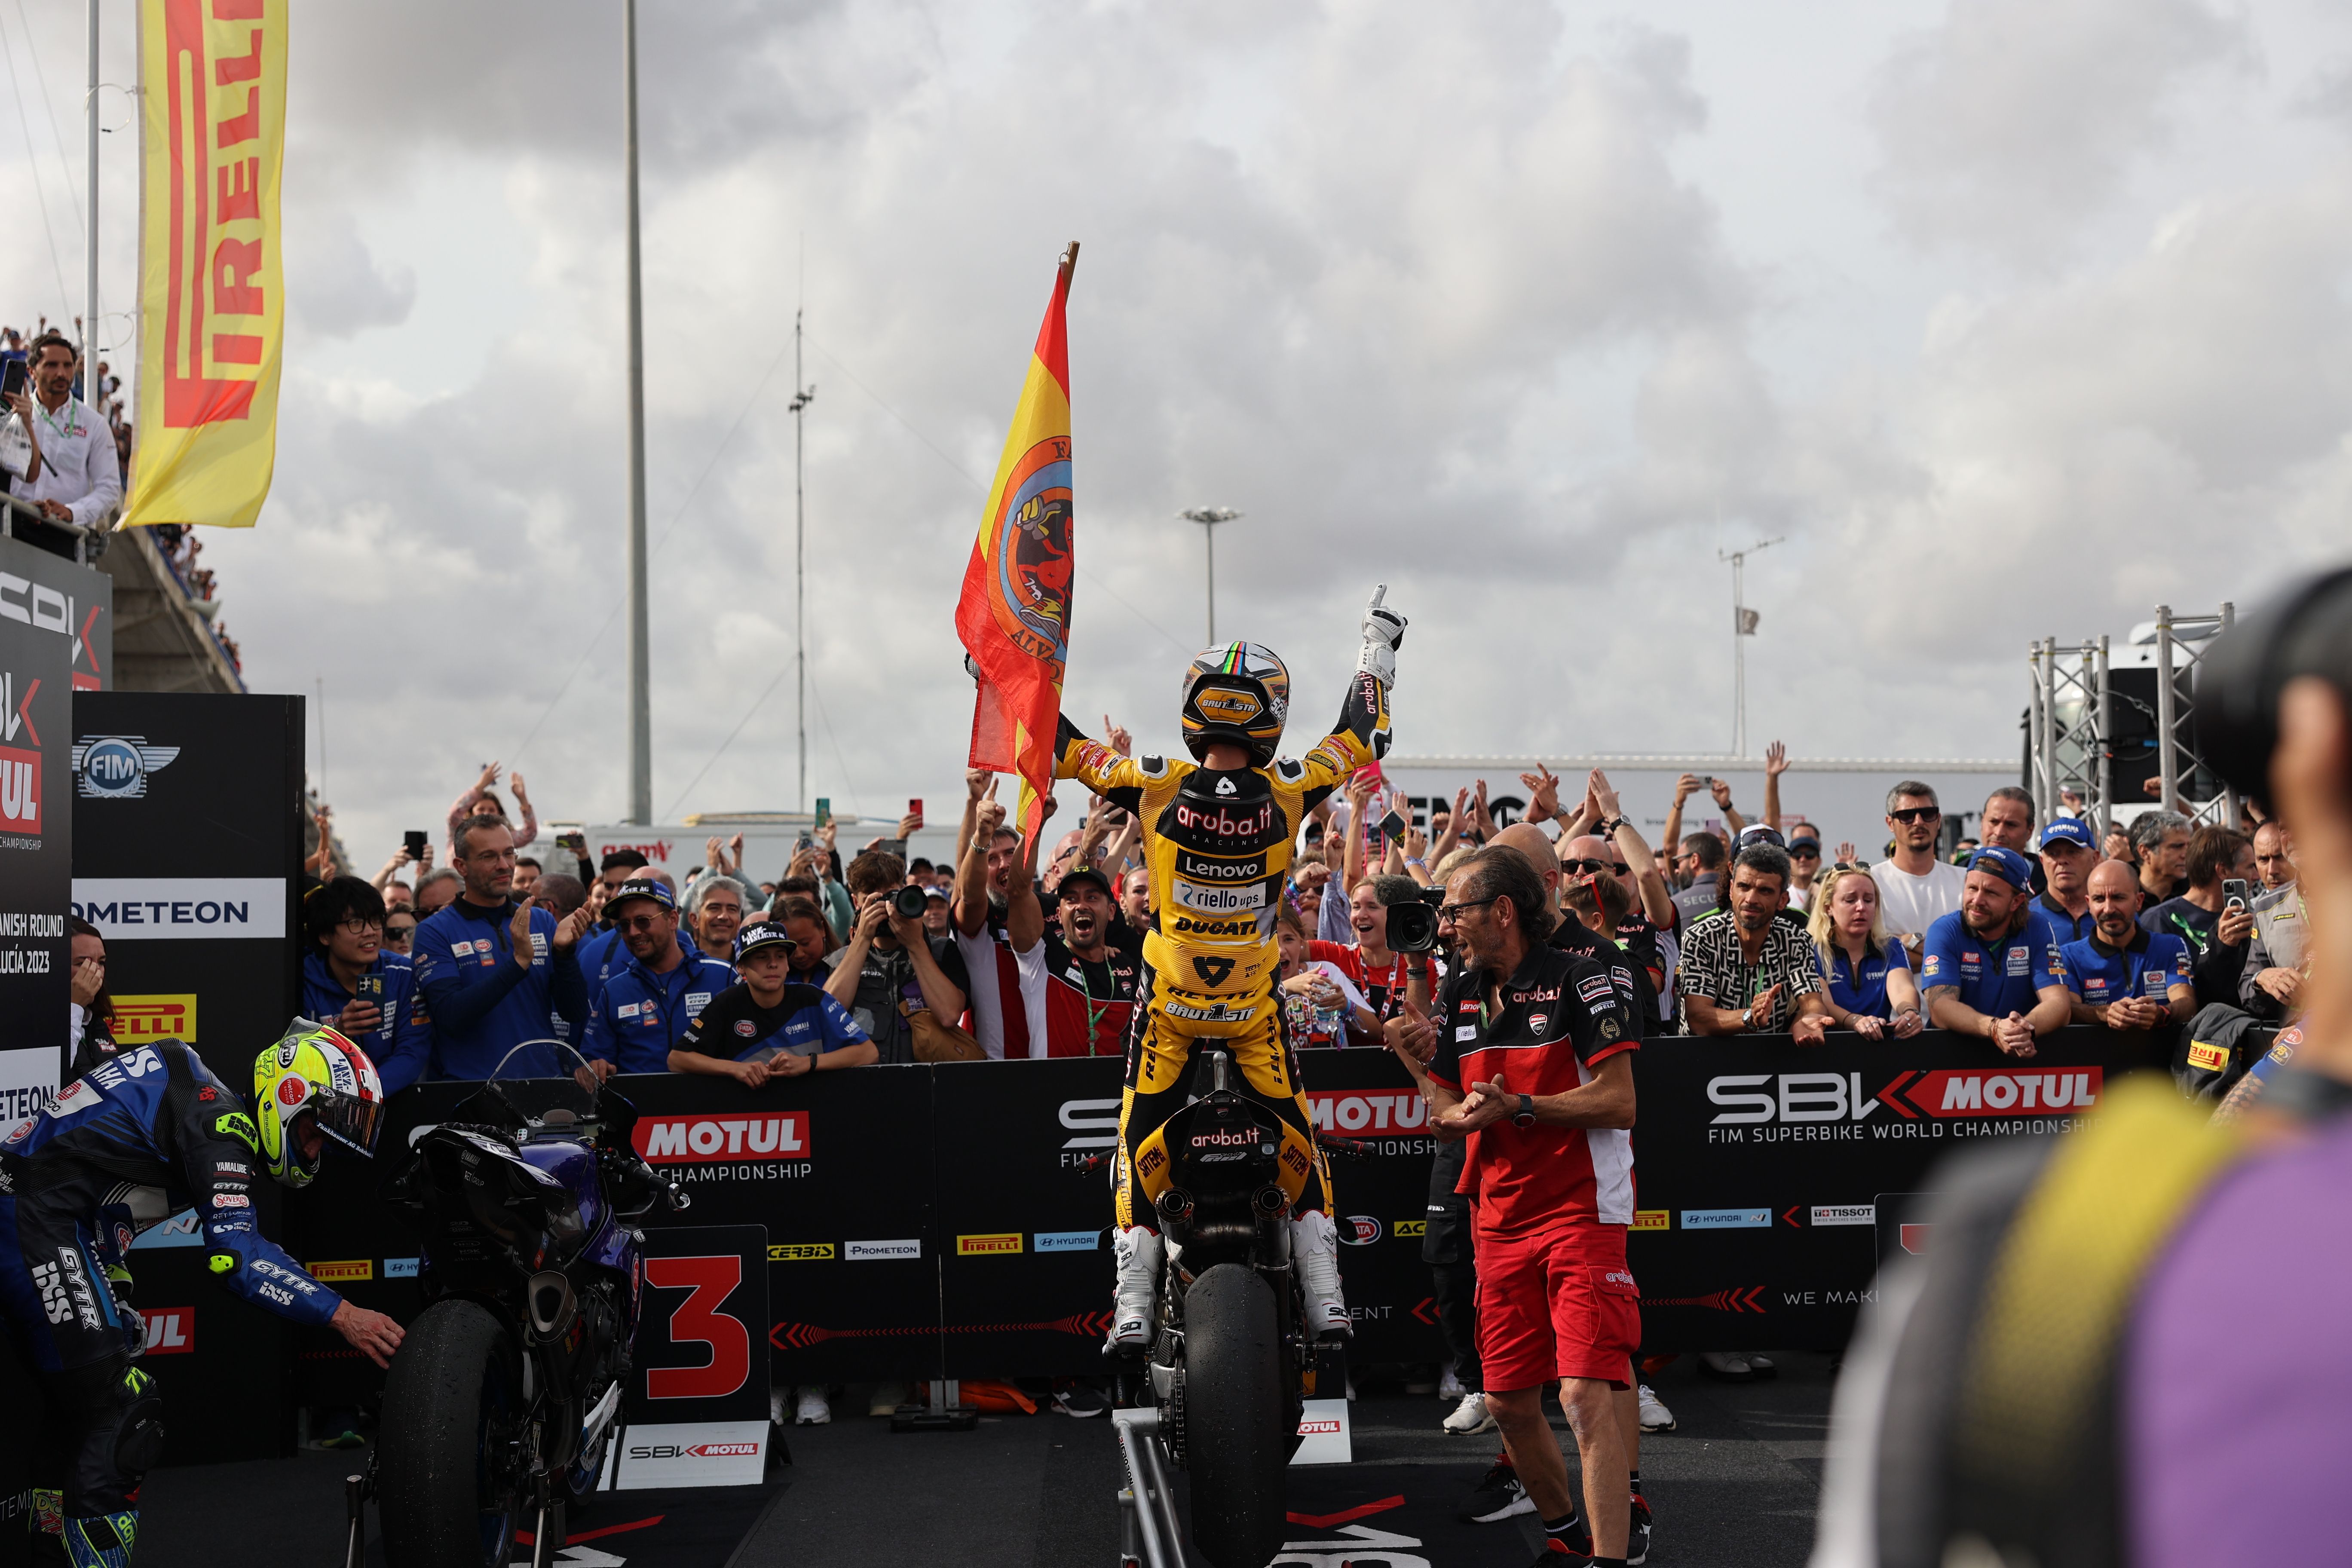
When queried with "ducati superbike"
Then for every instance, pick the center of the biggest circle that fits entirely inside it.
(502, 1401)
(1231, 1364)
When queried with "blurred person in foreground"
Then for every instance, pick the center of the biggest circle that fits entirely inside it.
(2046, 1384)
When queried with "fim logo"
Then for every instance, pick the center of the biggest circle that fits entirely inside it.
(140, 1019)
(115, 767)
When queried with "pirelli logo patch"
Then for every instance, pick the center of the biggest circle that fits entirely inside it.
(2207, 1057)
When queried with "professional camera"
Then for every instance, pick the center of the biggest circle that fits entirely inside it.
(907, 903)
(1412, 925)
(2308, 630)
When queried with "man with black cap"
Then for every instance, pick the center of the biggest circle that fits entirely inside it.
(766, 1027)
(1089, 981)
(648, 1003)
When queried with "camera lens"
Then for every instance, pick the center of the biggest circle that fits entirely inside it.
(907, 903)
(1412, 927)
(2305, 631)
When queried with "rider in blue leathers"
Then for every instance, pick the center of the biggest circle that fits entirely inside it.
(152, 1132)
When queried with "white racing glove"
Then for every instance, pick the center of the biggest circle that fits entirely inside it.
(1383, 632)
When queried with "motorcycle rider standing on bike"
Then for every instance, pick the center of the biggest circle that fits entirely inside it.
(147, 1133)
(1218, 834)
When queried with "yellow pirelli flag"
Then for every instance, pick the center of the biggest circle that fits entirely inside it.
(212, 303)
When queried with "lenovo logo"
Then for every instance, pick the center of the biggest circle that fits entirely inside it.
(688, 1140)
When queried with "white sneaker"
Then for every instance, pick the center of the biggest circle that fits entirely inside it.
(777, 1397)
(1469, 1418)
(1655, 1417)
(1450, 1386)
(1729, 1365)
(1315, 1247)
(812, 1411)
(1141, 1254)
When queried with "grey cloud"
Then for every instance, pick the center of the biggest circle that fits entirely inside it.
(2006, 126)
(335, 286)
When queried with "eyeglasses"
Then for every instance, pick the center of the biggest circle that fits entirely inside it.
(1594, 868)
(1455, 911)
(358, 925)
(1918, 814)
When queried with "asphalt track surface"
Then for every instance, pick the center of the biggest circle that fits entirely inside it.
(1734, 1484)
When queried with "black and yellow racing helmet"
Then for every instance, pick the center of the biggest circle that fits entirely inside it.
(1239, 692)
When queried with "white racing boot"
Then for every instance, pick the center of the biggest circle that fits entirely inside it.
(1315, 1251)
(1141, 1254)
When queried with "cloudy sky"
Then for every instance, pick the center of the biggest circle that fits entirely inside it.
(2013, 317)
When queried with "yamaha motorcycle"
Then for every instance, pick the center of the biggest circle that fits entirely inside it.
(1230, 1364)
(501, 1402)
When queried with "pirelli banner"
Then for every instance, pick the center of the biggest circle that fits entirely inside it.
(953, 1220)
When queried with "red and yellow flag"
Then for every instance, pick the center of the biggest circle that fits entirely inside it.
(211, 308)
(1015, 613)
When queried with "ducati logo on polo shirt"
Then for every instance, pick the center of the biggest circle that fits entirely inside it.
(2020, 961)
(1538, 1023)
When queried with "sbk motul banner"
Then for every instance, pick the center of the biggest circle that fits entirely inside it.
(956, 1220)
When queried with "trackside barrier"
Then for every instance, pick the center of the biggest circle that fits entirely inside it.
(950, 1221)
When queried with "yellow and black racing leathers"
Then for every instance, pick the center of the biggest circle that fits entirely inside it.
(1218, 846)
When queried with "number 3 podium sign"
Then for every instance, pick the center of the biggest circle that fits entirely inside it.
(697, 1405)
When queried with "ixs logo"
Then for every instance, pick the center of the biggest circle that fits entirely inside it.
(171, 1331)
(116, 767)
(1367, 1110)
(693, 1140)
(1800, 1097)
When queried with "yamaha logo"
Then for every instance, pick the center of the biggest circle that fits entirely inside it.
(116, 767)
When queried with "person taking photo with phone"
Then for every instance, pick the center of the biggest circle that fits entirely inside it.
(78, 478)
(2214, 914)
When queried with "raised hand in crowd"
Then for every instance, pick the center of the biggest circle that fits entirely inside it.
(2236, 925)
(1481, 821)
(1453, 826)
(1846, 853)
(572, 927)
(1416, 854)
(392, 867)
(518, 932)
(1543, 794)
(1684, 787)
(522, 796)
(1116, 738)
(909, 826)
(1776, 763)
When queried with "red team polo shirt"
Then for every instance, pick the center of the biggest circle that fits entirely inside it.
(1562, 1018)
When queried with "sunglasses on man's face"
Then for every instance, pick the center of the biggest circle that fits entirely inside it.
(1918, 814)
(1803, 851)
(1594, 868)
(398, 933)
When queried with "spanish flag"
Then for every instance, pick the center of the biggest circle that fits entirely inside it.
(1015, 613)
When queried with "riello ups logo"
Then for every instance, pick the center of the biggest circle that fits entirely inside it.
(1816, 1107)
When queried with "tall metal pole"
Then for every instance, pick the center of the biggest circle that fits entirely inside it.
(2229, 792)
(2167, 759)
(92, 393)
(2103, 761)
(1208, 517)
(1739, 559)
(641, 722)
(802, 397)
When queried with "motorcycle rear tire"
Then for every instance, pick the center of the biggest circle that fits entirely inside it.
(453, 1388)
(1237, 1448)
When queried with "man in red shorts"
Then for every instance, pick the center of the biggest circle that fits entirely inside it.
(1533, 1061)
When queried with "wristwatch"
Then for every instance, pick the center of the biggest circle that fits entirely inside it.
(1525, 1115)
(1748, 1017)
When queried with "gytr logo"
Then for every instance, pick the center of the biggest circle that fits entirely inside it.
(691, 1140)
(115, 767)
(1946, 1092)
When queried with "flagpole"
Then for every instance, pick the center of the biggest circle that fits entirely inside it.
(1739, 559)
(92, 393)
(641, 722)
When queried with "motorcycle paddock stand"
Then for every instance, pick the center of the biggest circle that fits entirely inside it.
(357, 1491)
(946, 1413)
(548, 1522)
(1149, 1535)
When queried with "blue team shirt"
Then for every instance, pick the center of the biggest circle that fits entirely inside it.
(2149, 967)
(805, 1022)
(600, 953)
(1995, 978)
(483, 1004)
(1864, 992)
(640, 1016)
(2070, 928)
(401, 1048)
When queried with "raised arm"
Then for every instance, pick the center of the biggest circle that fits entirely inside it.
(1776, 763)
(1657, 903)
